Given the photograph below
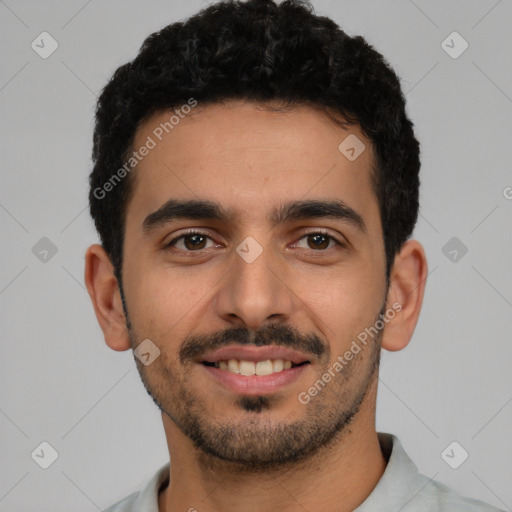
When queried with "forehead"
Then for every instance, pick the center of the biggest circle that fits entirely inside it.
(250, 159)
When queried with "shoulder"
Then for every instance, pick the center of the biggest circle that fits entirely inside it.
(145, 500)
(125, 505)
(403, 487)
(439, 497)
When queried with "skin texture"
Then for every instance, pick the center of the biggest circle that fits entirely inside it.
(270, 452)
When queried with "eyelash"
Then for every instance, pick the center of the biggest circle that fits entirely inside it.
(192, 232)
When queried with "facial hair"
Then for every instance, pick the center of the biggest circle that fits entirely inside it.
(258, 443)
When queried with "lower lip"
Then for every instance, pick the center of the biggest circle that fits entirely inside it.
(255, 384)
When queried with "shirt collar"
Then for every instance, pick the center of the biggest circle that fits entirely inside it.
(399, 484)
(147, 500)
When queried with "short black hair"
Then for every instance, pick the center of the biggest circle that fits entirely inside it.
(257, 51)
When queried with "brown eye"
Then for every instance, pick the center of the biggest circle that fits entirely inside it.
(189, 242)
(194, 241)
(319, 241)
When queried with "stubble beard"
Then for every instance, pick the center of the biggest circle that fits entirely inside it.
(256, 444)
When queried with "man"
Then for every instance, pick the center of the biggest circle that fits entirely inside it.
(255, 185)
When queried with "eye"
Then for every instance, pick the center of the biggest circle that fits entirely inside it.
(195, 241)
(191, 241)
(320, 241)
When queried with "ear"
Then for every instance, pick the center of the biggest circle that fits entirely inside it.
(103, 289)
(407, 286)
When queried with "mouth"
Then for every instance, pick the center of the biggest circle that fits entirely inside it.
(254, 370)
(249, 368)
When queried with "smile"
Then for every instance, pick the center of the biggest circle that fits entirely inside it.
(249, 368)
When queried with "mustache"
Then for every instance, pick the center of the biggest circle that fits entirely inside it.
(273, 334)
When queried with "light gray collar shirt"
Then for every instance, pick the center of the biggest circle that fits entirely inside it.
(401, 489)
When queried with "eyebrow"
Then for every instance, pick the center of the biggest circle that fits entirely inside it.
(200, 209)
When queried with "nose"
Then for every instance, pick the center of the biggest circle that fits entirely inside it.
(256, 291)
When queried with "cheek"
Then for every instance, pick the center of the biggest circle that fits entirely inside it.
(162, 301)
(342, 302)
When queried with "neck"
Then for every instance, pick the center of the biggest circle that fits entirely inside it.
(338, 478)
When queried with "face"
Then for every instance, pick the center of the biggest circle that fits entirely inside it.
(251, 238)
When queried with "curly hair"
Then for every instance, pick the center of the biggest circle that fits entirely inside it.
(258, 51)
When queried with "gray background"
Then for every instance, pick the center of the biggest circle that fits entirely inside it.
(59, 381)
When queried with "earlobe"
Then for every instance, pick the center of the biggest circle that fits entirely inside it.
(104, 292)
(407, 287)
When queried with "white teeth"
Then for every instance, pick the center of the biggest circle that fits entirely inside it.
(264, 367)
(249, 368)
(277, 365)
(233, 366)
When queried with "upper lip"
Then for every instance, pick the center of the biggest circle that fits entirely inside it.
(253, 353)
